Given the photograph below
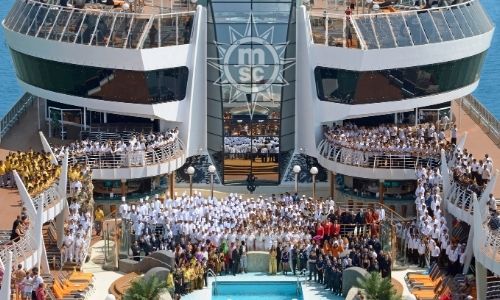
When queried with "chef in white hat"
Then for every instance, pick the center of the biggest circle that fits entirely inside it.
(157, 203)
(123, 209)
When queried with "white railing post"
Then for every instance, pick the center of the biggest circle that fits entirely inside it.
(5, 291)
(63, 179)
(47, 148)
(25, 196)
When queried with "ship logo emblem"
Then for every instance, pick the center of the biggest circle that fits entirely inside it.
(251, 66)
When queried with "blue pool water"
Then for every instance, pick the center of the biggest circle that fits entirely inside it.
(488, 91)
(268, 290)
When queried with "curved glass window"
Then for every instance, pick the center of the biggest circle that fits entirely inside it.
(139, 87)
(352, 87)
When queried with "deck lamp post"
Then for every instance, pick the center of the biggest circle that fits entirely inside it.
(314, 172)
(211, 170)
(296, 171)
(190, 171)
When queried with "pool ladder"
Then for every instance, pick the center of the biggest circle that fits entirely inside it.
(211, 272)
(298, 290)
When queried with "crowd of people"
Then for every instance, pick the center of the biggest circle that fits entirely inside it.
(470, 172)
(78, 224)
(137, 143)
(300, 234)
(358, 143)
(429, 239)
(264, 148)
(35, 169)
(28, 284)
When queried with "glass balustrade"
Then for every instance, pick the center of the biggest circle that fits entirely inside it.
(104, 28)
(399, 26)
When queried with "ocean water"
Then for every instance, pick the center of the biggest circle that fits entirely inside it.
(488, 91)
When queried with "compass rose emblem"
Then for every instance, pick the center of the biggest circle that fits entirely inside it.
(251, 65)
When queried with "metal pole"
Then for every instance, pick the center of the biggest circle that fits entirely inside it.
(38, 112)
(314, 187)
(211, 185)
(190, 185)
(296, 182)
(460, 113)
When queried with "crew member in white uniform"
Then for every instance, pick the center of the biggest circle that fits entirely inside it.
(79, 242)
(68, 247)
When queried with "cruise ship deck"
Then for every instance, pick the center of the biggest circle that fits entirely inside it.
(149, 116)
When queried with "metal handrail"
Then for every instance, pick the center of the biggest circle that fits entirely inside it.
(414, 9)
(130, 159)
(479, 112)
(51, 195)
(11, 117)
(374, 159)
(211, 272)
(26, 244)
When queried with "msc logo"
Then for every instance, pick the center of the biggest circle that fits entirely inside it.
(251, 66)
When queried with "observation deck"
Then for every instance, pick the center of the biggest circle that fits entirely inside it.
(144, 26)
(372, 164)
(160, 160)
(394, 24)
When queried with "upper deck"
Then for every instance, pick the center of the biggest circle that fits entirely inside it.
(145, 25)
(394, 23)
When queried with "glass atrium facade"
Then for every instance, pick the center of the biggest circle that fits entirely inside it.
(251, 88)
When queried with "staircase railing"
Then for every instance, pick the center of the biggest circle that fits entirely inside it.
(11, 117)
(483, 116)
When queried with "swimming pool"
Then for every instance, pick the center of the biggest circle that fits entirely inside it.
(252, 290)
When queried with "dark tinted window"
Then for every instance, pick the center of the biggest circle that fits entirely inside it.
(102, 83)
(352, 87)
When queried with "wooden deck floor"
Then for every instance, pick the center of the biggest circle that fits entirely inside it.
(478, 142)
(10, 207)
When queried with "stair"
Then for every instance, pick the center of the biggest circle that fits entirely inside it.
(50, 240)
(460, 232)
(4, 237)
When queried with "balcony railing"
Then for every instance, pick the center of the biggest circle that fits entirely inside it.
(22, 249)
(49, 197)
(401, 26)
(461, 197)
(116, 29)
(372, 159)
(129, 159)
(482, 116)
